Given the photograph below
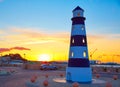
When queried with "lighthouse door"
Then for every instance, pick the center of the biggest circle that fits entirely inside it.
(69, 76)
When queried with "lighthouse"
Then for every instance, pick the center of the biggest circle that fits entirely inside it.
(78, 69)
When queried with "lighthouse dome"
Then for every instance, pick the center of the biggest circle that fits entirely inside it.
(78, 8)
(78, 12)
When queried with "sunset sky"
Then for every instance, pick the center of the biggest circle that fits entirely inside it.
(37, 27)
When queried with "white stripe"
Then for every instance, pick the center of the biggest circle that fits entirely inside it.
(77, 52)
(77, 30)
(79, 74)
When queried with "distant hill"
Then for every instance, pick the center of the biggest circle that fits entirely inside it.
(16, 56)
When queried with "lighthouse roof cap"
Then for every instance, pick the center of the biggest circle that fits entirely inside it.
(78, 8)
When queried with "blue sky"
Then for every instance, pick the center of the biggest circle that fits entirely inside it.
(102, 16)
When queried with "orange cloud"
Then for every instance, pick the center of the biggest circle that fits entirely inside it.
(23, 36)
(33, 36)
(28, 32)
(19, 48)
(92, 38)
(4, 50)
(13, 48)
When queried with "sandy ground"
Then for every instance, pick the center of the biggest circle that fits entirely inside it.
(21, 77)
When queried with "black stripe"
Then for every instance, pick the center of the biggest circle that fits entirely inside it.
(78, 40)
(78, 62)
(78, 20)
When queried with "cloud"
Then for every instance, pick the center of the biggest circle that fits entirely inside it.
(19, 48)
(40, 42)
(113, 36)
(95, 36)
(4, 49)
(28, 32)
(23, 36)
(99, 37)
(36, 36)
(92, 38)
(13, 48)
(1, 31)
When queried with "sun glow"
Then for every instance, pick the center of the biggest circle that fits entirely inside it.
(44, 57)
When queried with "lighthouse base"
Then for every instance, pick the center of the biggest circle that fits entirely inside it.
(79, 74)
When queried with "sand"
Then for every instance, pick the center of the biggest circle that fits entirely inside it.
(21, 77)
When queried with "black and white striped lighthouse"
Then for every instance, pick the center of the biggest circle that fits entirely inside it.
(78, 65)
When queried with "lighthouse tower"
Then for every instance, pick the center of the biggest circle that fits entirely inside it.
(78, 65)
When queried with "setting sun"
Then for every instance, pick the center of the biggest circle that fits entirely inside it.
(44, 57)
